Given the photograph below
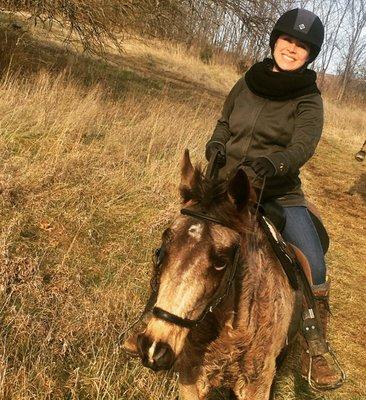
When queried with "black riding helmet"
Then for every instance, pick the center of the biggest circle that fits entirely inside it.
(302, 25)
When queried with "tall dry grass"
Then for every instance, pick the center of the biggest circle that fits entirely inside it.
(86, 186)
(88, 181)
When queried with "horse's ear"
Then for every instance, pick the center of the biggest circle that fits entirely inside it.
(240, 190)
(187, 179)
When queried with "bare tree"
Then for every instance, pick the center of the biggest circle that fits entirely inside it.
(97, 23)
(332, 13)
(241, 27)
(354, 44)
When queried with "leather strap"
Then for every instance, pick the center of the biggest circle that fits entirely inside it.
(201, 215)
(174, 319)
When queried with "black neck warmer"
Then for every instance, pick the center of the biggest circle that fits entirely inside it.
(280, 86)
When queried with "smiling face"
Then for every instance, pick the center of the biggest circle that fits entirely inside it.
(290, 53)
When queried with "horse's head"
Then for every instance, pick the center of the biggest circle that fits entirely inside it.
(196, 259)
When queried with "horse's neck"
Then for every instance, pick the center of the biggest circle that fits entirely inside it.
(260, 270)
(255, 247)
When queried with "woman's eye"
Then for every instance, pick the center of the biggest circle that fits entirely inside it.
(220, 267)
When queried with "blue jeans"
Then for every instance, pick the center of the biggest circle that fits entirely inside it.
(300, 231)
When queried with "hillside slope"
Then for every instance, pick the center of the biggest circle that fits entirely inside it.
(89, 168)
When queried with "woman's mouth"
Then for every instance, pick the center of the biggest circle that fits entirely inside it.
(288, 58)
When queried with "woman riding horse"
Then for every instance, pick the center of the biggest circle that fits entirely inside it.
(272, 120)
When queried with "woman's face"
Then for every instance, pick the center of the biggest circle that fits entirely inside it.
(290, 53)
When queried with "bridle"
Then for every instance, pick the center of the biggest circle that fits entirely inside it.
(217, 160)
(220, 293)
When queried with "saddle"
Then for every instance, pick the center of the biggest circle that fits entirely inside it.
(293, 261)
(276, 214)
(298, 271)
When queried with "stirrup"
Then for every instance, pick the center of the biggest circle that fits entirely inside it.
(343, 375)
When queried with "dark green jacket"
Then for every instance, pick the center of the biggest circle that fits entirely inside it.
(285, 132)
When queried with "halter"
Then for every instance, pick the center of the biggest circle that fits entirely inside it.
(221, 292)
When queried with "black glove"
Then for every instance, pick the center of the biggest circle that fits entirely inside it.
(212, 146)
(263, 167)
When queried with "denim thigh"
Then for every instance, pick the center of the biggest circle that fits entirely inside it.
(300, 231)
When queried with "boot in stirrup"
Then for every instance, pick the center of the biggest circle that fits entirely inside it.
(319, 364)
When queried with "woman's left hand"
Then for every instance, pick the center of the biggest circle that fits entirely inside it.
(263, 167)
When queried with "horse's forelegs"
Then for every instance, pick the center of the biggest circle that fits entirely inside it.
(191, 392)
(253, 393)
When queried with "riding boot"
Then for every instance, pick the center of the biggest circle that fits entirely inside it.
(324, 374)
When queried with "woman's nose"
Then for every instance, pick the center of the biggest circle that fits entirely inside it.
(292, 47)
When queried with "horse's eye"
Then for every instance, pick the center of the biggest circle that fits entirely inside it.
(220, 267)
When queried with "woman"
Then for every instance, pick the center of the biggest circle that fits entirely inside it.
(272, 119)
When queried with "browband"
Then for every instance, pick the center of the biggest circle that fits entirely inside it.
(201, 215)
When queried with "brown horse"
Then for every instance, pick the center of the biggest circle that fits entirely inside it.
(224, 304)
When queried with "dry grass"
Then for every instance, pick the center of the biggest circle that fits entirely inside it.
(175, 60)
(87, 183)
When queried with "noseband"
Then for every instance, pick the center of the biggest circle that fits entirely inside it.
(221, 292)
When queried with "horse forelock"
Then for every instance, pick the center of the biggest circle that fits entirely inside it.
(212, 197)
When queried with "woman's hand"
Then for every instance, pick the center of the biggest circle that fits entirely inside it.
(212, 146)
(263, 167)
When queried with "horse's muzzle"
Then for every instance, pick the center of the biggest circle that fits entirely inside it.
(155, 355)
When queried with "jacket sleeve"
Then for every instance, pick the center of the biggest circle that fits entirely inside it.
(222, 132)
(307, 132)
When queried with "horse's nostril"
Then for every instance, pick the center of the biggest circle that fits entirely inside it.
(163, 356)
(160, 353)
(143, 344)
(155, 355)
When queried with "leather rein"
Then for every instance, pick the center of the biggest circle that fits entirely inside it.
(221, 292)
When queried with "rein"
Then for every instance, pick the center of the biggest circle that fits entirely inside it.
(221, 292)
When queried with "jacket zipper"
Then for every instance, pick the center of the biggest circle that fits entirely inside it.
(252, 130)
